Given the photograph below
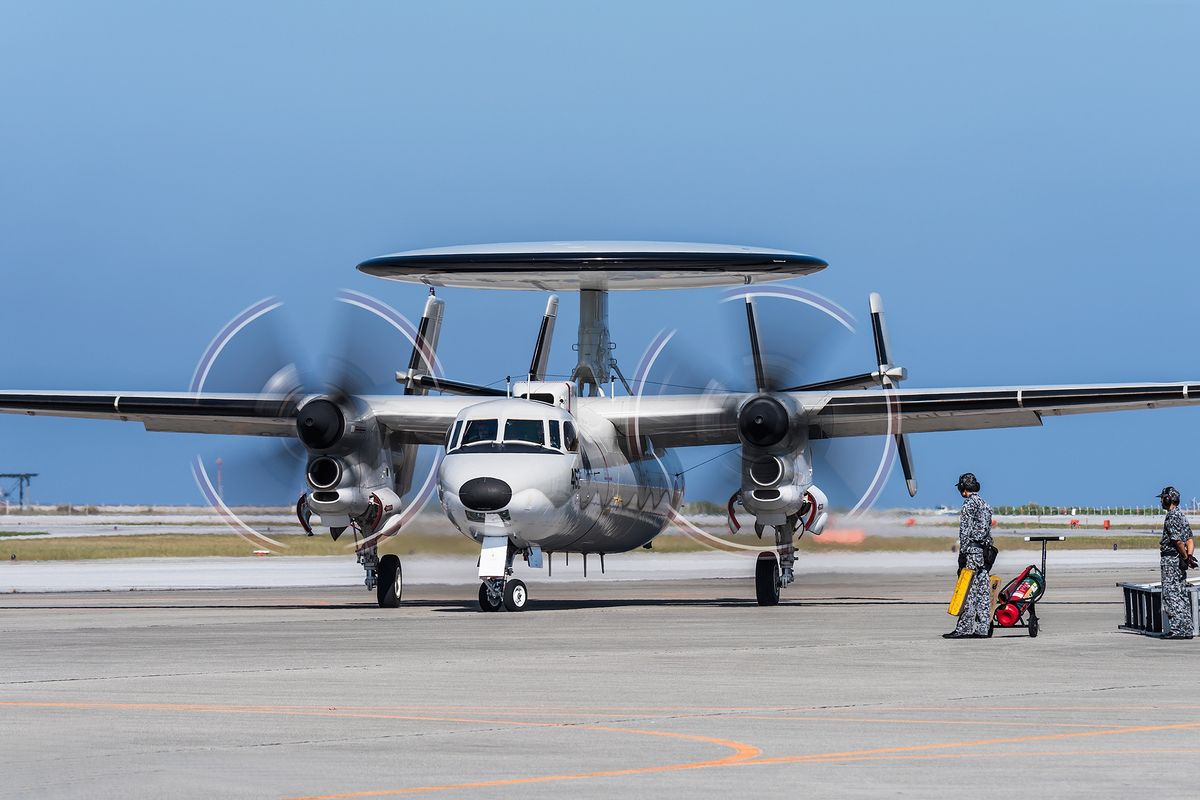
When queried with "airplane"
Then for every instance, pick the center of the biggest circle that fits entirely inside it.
(561, 466)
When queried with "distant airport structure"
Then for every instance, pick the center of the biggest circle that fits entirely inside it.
(18, 482)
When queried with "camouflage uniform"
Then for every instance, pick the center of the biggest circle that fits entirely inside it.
(975, 531)
(1175, 601)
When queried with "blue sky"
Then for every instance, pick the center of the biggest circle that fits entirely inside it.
(1020, 181)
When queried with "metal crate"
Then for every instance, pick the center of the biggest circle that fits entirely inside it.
(1144, 611)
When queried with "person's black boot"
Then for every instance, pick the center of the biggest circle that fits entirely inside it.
(956, 635)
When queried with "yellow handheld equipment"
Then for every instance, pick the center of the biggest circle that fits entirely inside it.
(960, 591)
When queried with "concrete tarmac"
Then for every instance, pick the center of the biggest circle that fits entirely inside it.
(635, 688)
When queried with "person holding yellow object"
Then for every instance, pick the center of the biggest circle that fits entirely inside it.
(974, 542)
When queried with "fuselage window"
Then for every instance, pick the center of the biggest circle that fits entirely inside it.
(480, 430)
(555, 437)
(570, 437)
(452, 437)
(530, 431)
(541, 397)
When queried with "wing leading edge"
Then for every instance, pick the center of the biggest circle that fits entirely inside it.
(424, 419)
(694, 420)
(668, 421)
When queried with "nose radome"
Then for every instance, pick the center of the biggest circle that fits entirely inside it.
(485, 494)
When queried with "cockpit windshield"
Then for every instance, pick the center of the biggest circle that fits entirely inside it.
(513, 436)
(479, 431)
(529, 431)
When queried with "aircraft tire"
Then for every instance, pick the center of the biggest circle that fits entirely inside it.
(516, 596)
(485, 600)
(766, 579)
(389, 581)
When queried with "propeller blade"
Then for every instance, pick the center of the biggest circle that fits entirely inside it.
(905, 455)
(887, 376)
(423, 360)
(541, 348)
(760, 372)
(882, 351)
(424, 352)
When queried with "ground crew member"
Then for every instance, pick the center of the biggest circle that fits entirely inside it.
(1175, 551)
(974, 535)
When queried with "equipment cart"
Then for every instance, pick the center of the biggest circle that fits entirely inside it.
(1016, 605)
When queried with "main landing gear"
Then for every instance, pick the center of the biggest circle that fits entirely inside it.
(498, 588)
(384, 575)
(775, 569)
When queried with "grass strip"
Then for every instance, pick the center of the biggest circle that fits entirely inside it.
(77, 548)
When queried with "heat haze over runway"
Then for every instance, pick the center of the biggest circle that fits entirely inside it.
(640, 688)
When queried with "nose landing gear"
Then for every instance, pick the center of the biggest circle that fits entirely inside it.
(491, 594)
(498, 588)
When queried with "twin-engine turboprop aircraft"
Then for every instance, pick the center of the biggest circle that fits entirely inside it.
(557, 467)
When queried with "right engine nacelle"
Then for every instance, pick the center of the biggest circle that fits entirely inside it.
(776, 467)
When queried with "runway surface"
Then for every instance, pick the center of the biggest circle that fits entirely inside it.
(639, 688)
(295, 572)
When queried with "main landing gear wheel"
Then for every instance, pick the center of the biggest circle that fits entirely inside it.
(766, 579)
(515, 595)
(389, 581)
(487, 600)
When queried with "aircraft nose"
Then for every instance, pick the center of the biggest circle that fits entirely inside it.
(485, 494)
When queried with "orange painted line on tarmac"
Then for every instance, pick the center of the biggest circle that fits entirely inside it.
(899, 721)
(741, 750)
(281, 711)
(742, 753)
(1044, 737)
(1106, 753)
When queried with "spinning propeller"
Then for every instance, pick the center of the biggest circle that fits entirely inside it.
(783, 354)
(356, 472)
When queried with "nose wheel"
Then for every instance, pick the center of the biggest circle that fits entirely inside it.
(498, 593)
(491, 598)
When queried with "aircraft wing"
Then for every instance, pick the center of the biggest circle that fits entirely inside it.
(694, 420)
(425, 419)
(861, 413)
(261, 415)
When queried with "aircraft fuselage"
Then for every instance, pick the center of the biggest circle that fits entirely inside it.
(579, 490)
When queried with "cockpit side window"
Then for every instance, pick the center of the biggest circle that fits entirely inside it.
(555, 436)
(480, 430)
(530, 431)
(452, 437)
(570, 437)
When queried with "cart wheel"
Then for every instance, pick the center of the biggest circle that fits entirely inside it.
(1033, 627)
